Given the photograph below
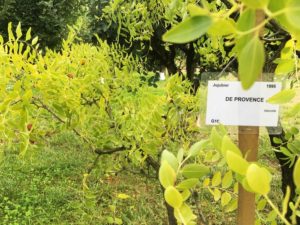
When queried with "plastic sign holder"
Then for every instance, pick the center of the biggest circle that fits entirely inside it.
(229, 104)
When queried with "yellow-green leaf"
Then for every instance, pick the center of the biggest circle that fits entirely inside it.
(173, 197)
(258, 179)
(19, 30)
(296, 173)
(123, 196)
(227, 180)
(28, 34)
(184, 214)
(282, 97)
(187, 184)
(293, 13)
(216, 139)
(222, 27)
(285, 202)
(294, 110)
(195, 10)
(251, 60)
(232, 206)
(217, 194)
(167, 175)
(170, 158)
(228, 145)
(256, 4)
(236, 163)
(197, 147)
(216, 180)
(284, 66)
(188, 30)
(34, 40)
(195, 171)
(225, 198)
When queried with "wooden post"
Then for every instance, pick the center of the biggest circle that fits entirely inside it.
(248, 143)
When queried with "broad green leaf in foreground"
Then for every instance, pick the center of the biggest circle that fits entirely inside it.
(236, 163)
(258, 179)
(188, 30)
(293, 14)
(282, 97)
(251, 61)
(173, 197)
(195, 10)
(228, 145)
(222, 27)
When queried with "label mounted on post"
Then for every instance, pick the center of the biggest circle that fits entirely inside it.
(229, 104)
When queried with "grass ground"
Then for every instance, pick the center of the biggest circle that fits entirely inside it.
(46, 188)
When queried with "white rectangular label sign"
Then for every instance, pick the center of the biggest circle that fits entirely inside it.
(229, 104)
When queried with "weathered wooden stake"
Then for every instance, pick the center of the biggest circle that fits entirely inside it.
(248, 143)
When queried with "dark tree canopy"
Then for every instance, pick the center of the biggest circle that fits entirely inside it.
(47, 18)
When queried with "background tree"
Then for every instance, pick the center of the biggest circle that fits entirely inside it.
(47, 18)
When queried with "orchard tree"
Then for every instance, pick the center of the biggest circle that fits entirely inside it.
(48, 19)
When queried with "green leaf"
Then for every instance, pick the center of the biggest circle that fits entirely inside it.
(167, 175)
(293, 13)
(285, 202)
(284, 66)
(222, 27)
(195, 10)
(282, 97)
(10, 33)
(216, 139)
(188, 30)
(245, 22)
(227, 180)
(187, 184)
(225, 198)
(251, 61)
(216, 180)
(180, 155)
(173, 197)
(197, 147)
(256, 4)
(217, 194)
(28, 34)
(34, 40)
(184, 214)
(236, 163)
(232, 206)
(194, 171)
(185, 194)
(19, 31)
(228, 145)
(258, 179)
(170, 158)
(296, 173)
(261, 204)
